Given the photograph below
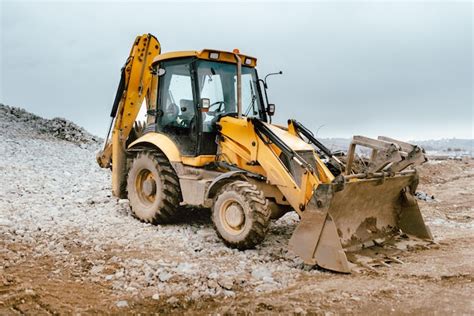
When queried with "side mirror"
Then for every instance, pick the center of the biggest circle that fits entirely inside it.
(205, 104)
(271, 109)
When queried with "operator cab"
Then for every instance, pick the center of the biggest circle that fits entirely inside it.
(195, 91)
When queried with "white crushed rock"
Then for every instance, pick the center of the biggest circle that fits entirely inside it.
(54, 196)
(420, 195)
(122, 304)
(57, 127)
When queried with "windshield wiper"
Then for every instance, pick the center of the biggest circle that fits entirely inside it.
(252, 102)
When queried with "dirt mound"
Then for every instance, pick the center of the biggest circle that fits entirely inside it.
(440, 172)
(14, 118)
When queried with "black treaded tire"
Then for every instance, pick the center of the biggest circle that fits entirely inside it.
(236, 200)
(153, 188)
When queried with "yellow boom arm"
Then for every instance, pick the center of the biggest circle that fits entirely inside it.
(136, 80)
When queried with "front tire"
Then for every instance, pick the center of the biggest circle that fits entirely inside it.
(153, 188)
(241, 215)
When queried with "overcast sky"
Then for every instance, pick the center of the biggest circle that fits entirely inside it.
(401, 69)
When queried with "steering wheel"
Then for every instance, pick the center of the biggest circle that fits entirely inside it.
(220, 103)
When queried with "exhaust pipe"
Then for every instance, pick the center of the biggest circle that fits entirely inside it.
(239, 84)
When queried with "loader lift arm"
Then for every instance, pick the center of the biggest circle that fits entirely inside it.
(334, 216)
(296, 128)
(316, 239)
(137, 77)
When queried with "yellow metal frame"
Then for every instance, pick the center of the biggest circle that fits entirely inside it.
(160, 141)
(324, 173)
(198, 161)
(171, 151)
(224, 56)
(242, 147)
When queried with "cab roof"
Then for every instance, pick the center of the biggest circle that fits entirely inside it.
(208, 54)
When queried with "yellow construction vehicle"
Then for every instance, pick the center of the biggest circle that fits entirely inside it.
(208, 142)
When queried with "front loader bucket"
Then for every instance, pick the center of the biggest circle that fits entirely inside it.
(336, 221)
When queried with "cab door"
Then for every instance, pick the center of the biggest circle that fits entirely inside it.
(176, 109)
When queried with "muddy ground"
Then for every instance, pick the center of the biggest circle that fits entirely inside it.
(67, 247)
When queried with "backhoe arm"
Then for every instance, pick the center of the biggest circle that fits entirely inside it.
(136, 79)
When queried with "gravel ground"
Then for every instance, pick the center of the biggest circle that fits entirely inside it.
(54, 195)
(62, 232)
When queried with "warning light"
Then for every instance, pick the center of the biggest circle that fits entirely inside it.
(236, 51)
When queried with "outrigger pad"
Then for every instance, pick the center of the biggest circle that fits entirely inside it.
(315, 239)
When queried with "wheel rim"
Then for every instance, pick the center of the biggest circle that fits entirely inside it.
(232, 216)
(146, 186)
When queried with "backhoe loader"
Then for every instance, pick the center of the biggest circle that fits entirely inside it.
(208, 142)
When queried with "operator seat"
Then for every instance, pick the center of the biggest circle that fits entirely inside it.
(170, 114)
(187, 113)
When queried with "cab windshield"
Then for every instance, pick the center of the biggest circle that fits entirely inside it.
(218, 83)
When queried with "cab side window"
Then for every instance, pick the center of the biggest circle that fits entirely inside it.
(176, 106)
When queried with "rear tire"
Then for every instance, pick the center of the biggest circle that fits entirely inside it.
(241, 215)
(153, 188)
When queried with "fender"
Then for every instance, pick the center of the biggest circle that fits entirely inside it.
(221, 180)
(160, 141)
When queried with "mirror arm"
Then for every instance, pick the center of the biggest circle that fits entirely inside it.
(264, 90)
(271, 74)
(266, 97)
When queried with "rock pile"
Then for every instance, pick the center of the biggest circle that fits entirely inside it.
(60, 128)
